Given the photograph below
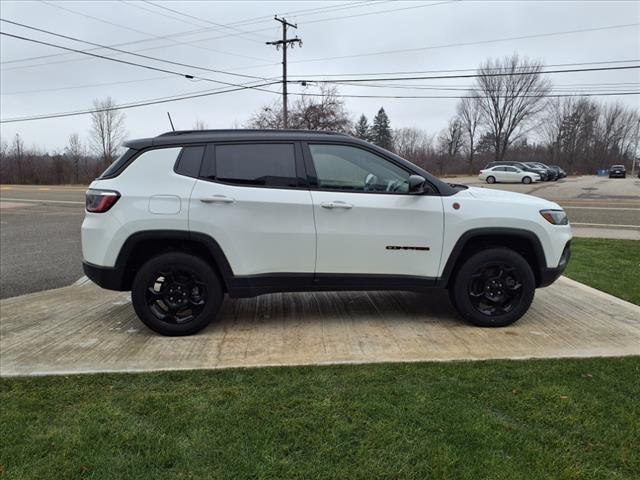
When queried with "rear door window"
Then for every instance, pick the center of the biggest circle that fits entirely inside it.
(260, 165)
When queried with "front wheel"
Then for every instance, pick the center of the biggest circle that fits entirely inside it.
(526, 180)
(493, 288)
(176, 294)
(491, 179)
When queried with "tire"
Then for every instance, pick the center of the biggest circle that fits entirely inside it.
(491, 179)
(176, 294)
(478, 296)
(526, 180)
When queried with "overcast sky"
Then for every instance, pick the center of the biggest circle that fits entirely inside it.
(59, 81)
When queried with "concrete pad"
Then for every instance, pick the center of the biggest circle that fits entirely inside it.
(82, 328)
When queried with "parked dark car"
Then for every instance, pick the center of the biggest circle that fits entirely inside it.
(544, 174)
(560, 171)
(551, 173)
(617, 171)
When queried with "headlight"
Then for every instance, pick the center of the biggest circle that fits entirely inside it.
(555, 217)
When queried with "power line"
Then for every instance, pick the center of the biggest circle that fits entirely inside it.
(142, 103)
(252, 21)
(79, 87)
(218, 91)
(463, 44)
(75, 39)
(412, 72)
(240, 32)
(392, 10)
(148, 67)
(468, 96)
(107, 22)
(555, 88)
(470, 75)
(134, 4)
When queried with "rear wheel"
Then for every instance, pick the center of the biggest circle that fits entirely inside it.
(176, 294)
(493, 288)
(526, 180)
(491, 179)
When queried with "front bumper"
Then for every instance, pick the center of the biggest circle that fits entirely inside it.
(617, 174)
(550, 275)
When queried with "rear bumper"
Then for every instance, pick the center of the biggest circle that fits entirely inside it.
(105, 277)
(617, 174)
(550, 275)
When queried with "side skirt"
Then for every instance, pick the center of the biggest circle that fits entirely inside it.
(253, 285)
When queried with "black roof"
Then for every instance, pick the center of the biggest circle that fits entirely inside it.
(182, 137)
(198, 136)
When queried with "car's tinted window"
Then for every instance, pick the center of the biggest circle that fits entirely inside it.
(510, 169)
(268, 164)
(117, 164)
(341, 167)
(189, 161)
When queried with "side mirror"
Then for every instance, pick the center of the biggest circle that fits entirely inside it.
(416, 184)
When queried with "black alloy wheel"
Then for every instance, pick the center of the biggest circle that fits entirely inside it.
(493, 287)
(176, 293)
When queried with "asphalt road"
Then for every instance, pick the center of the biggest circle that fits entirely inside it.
(40, 234)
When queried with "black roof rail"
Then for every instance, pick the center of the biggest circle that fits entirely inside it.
(250, 130)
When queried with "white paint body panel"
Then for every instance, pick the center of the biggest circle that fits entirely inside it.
(150, 176)
(264, 230)
(489, 208)
(355, 240)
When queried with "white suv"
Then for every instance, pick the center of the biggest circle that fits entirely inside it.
(185, 217)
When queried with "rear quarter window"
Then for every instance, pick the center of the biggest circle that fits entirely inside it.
(118, 164)
(189, 161)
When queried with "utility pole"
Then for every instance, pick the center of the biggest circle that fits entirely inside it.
(284, 43)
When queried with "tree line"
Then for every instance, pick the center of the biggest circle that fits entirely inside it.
(508, 114)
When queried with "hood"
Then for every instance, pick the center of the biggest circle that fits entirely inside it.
(512, 197)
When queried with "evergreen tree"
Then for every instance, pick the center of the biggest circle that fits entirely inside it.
(362, 129)
(381, 130)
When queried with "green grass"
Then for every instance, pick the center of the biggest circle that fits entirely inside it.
(560, 419)
(612, 266)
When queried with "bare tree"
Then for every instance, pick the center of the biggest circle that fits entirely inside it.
(199, 125)
(75, 151)
(107, 130)
(326, 111)
(511, 93)
(415, 145)
(469, 114)
(18, 155)
(450, 142)
(269, 117)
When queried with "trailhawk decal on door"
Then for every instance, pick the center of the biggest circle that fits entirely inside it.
(402, 247)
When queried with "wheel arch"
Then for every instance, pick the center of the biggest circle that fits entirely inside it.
(524, 242)
(141, 246)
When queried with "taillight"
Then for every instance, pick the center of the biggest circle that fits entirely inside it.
(99, 201)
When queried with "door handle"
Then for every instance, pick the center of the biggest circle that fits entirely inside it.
(338, 204)
(217, 199)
